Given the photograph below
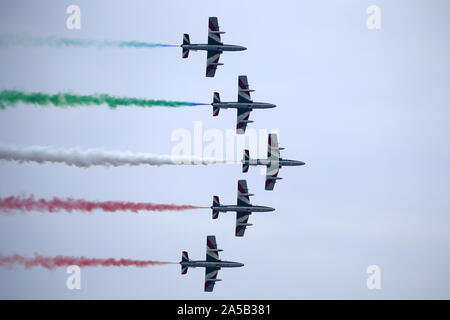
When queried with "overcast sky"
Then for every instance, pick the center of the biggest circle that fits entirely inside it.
(367, 110)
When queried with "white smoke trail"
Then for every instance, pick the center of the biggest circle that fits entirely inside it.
(95, 157)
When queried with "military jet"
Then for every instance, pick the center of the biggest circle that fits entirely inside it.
(273, 162)
(215, 47)
(244, 105)
(243, 208)
(212, 264)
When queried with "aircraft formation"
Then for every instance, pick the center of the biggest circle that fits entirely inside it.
(244, 105)
(243, 207)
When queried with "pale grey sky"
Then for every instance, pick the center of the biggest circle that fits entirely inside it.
(366, 110)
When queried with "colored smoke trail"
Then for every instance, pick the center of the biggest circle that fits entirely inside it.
(12, 97)
(25, 204)
(60, 261)
(96, 157)
(61, 42)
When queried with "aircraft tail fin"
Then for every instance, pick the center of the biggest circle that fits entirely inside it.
(245, 160)
(216, 99)
(184, 258)
(185, 42)
(186, 39)
(185, 53)
(216, 203)
(184, 269)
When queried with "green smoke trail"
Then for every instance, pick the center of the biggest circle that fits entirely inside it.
(34, 41)
(12, 97)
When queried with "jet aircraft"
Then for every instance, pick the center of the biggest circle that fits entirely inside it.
(273, 162)
(214, 47)
(243, 208)
(244, 105)
(212, 264)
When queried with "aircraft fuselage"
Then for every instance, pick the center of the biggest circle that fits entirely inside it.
(213, 47)
(281, 162)
(237, 208)
(243, 105)
(211, 264)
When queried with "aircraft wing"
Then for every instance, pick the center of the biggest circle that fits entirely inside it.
(214, 32)
(271, 175)
(243, 97)
(212, 253)
(242, 120)
(212, 62)
(273, 154)
(273, 151)
(210, 278)
(241, 223)
(243, 200)
(243, 197)
(244, 90)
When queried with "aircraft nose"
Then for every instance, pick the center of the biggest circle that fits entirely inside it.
(240, 264)
(271, 209)
(242, 48)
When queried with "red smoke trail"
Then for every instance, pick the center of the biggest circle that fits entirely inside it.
(54, 205)
(59, 261)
